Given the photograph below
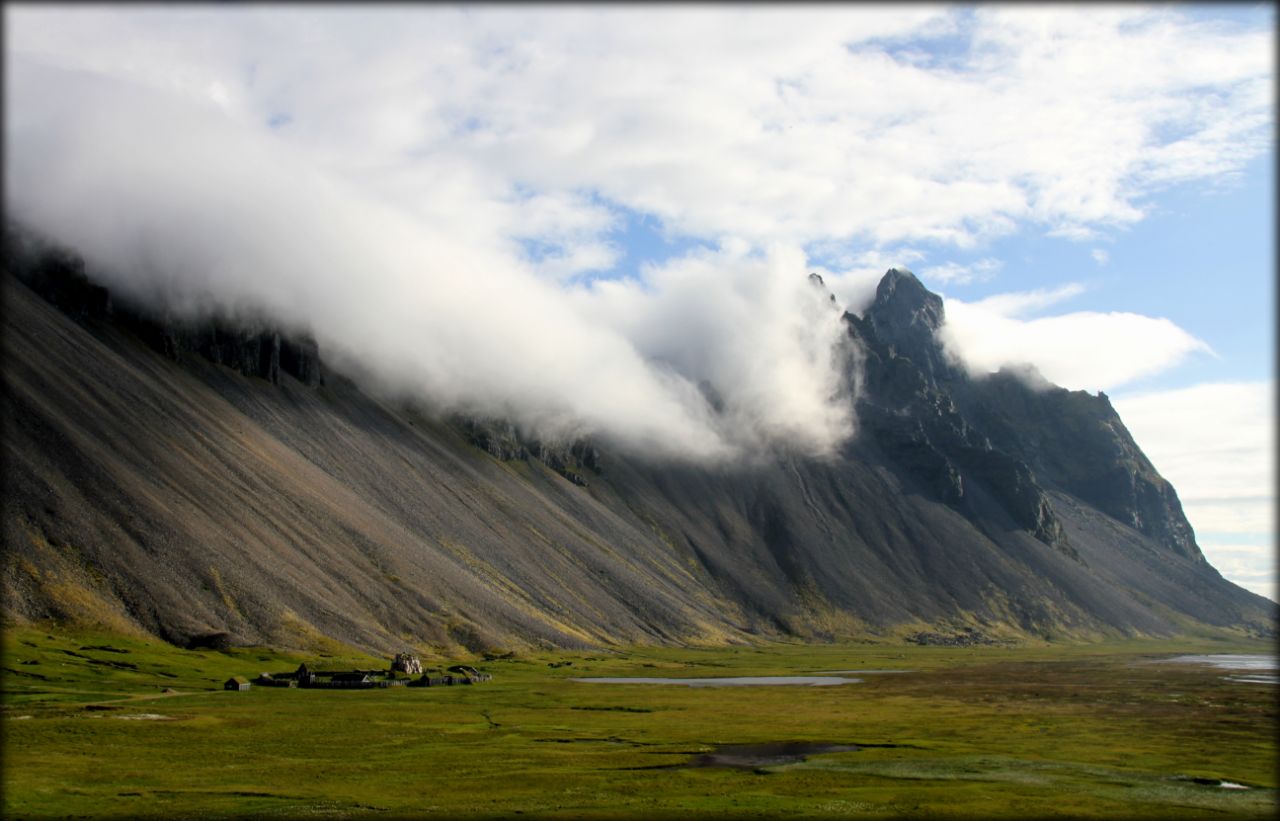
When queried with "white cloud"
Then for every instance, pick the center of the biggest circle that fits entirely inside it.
(1082, 233)
(382, 175)
(953, 273)
(799, 125)
(1100, 256)
(467, 326)
(1020, 303)
(1083, 350)
(1215, 443)
(750, 326)
(1250, 566)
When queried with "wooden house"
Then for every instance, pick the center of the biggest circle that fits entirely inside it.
(236, 683)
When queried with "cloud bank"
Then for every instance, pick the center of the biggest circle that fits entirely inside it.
(425, 188)
(1081, 350)
(216, 220)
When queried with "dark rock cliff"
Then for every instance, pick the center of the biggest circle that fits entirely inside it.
(909, 405)
(260, 352)
(252, 348)
(503, 440)
(1078, 442)
(1014, 432)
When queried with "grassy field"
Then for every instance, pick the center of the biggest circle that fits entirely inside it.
(101, 726)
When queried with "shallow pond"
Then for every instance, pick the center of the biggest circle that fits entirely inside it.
(1228, 661)
(1257, 668)
(734, 681)
(1212, 782)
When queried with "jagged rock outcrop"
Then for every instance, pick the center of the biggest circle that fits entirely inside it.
(300, 358)
(1078, 442)
(942, 425)
(909, 406)
(503, 441)
(59, 276)
(903, 322)
(252, 348)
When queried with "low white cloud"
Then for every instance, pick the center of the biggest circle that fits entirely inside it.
(175, 203)
(1215, 442)
(753, 328)
(1100, 256)
(1083, 350)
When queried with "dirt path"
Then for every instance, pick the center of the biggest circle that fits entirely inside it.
(102, 702)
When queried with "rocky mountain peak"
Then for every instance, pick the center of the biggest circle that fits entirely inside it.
(902, 323)
(816, 281)
(904, 307)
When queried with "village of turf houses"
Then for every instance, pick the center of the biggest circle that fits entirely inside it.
(405, 671)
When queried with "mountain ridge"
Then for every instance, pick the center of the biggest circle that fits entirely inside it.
(192, 483)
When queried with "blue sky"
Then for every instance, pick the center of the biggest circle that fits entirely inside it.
(594, 210)
(1203, 257)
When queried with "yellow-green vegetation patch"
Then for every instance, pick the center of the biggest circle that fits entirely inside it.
(104, 725)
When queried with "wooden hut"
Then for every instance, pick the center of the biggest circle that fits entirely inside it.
(236, 683)
(426, 680)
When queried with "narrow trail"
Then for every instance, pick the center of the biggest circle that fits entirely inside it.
(101, 702)
(150, 696)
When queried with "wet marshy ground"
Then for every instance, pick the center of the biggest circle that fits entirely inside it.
(760, 756)
(755, 756)
(773, 754)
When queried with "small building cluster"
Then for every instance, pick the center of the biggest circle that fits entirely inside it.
(406, 671)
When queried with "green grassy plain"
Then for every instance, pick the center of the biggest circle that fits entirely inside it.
(1078, 730)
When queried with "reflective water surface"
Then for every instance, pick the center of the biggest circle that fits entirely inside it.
(1255, 668)
(735, 681)
(1229, 661)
